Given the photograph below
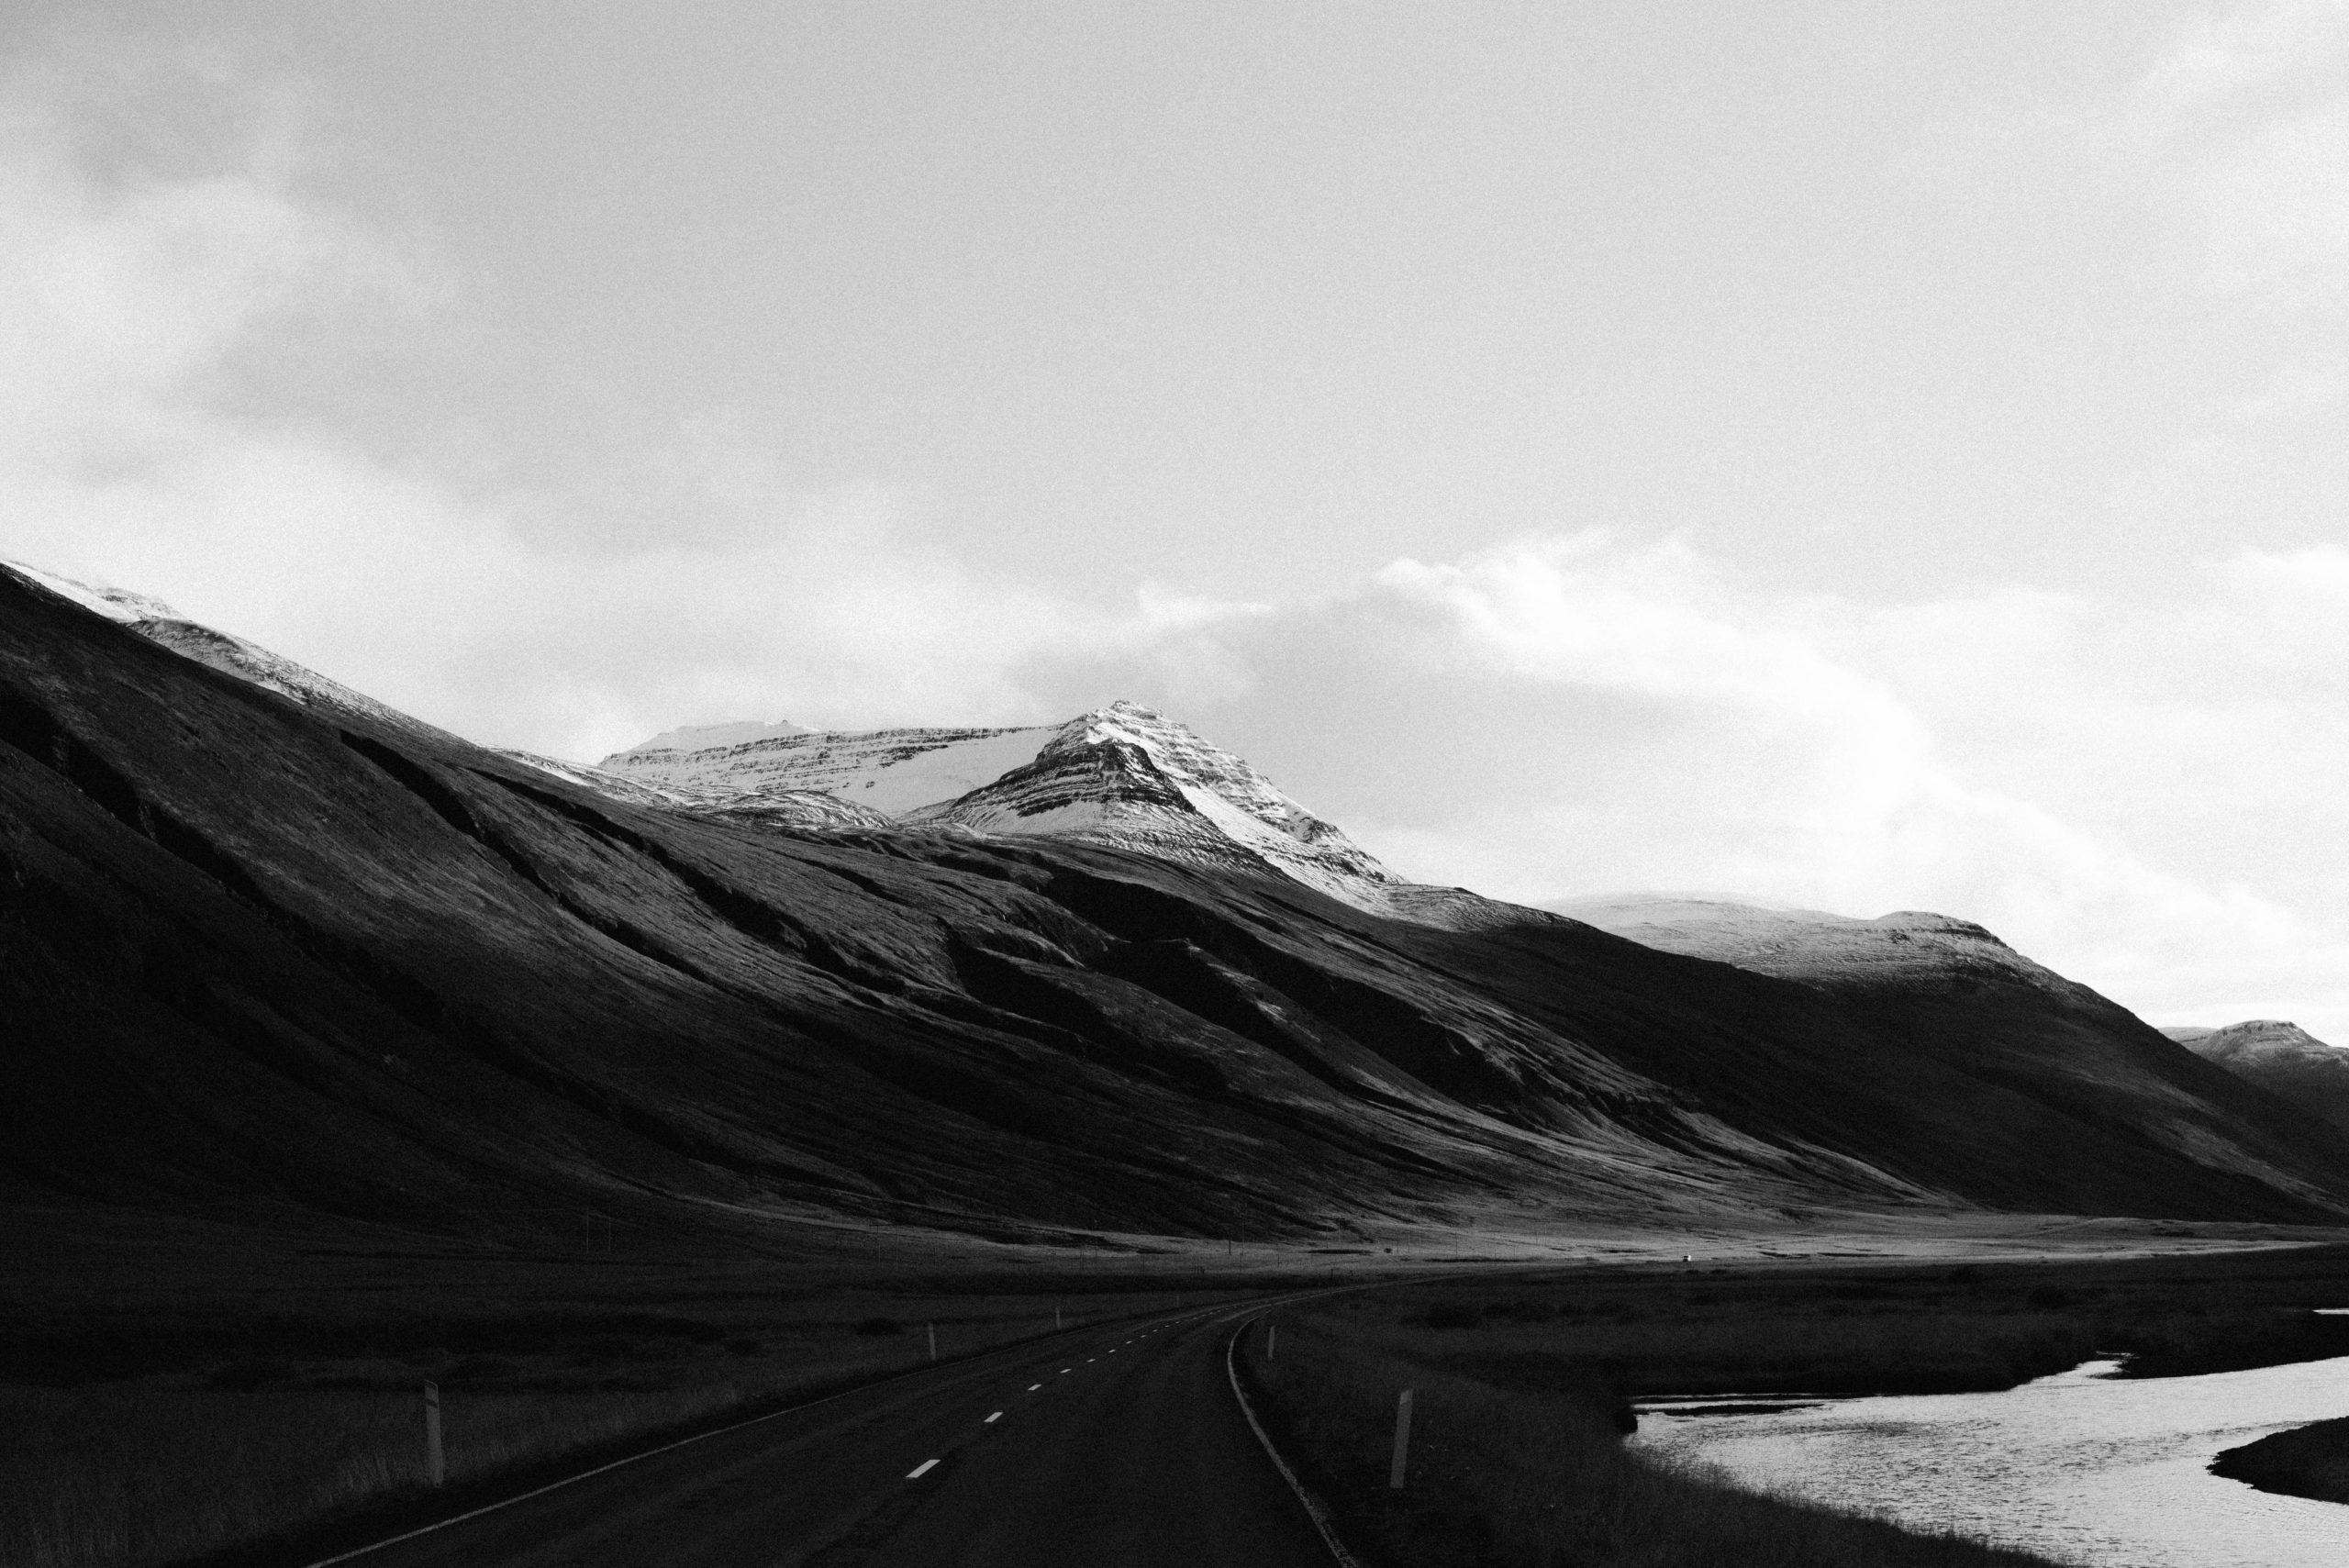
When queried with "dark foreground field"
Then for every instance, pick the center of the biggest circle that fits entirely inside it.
(164, 1403)
(167, 1406)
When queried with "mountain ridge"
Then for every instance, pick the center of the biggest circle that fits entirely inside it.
(267, 951)
(2280, 1057)
(1122, 774)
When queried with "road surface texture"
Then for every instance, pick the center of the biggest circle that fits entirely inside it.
(1100, 1448)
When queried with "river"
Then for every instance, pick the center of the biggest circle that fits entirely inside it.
(2082, 1467)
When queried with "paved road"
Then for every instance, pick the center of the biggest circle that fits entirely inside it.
(1097, 1448)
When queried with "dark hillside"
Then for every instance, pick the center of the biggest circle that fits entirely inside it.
(2281, 1057)
(254, 952)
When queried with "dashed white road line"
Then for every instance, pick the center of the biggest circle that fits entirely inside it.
(1033, 1386)
(991, 1420)
(918, 1471)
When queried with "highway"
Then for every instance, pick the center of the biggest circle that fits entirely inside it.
(1098, 1447)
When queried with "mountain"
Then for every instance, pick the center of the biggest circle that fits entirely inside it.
(1121, 776)
(2281, 1057)
(165, 627)
(265, 951)
(1958, 995)
(696, 738)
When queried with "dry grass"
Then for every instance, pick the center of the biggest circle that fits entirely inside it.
(141, 1474)
(163, 1468)
(1519, 1381)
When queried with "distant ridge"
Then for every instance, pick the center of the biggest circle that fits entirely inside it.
(2281, 1057)
(700, 737)
(1124, 776)
(1808, 944)
(1975, 1003)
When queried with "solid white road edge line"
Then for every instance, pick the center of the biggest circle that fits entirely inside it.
(918, 1471)
(615, 1464)
(681, 1443)
(568, 1480)
(1313, 1508)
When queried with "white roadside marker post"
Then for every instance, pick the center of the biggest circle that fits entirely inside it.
(933, 1341)
(1402, 1442)
(1272, 1341)
(436, 1468)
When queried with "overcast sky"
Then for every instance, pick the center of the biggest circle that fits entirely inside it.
(1862, 456)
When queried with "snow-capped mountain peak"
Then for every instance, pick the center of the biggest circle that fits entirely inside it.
(1122, 776)
(1180, 753)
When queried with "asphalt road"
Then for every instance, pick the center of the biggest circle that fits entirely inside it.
(1096, 1449)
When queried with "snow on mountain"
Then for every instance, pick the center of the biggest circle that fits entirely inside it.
(889, 770)
(2281, 1057)
(158, 623)
(787, 807)
(1128, 776)
(114, 604)
(1121, 775)
(2256, 1037)
(1804, 944)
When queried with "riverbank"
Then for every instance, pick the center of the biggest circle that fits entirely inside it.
(1522, 1384)
(2084, 1467)
(2307, 1461)
(1530, 1477)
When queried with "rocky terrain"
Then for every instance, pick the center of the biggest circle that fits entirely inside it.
(2281, 1057)
(271, 951)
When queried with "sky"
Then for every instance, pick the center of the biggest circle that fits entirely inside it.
(1851, 456)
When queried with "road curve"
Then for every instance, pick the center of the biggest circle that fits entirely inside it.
(1100, 1448)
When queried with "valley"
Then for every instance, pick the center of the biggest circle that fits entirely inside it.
(627, 1102)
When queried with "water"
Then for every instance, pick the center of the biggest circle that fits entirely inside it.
(2080, 1467)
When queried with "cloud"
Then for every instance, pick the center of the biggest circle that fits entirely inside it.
(1572, 713)
(129, 303)
(2241, 123)
(1581, 714)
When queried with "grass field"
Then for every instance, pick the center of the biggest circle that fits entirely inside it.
(1818, 1329)
(158, 1407)
(1522, 1387)
(1532, 1477)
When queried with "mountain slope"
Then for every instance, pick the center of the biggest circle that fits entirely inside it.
(261, 952)
(1122, 776)
(1955, 994)
(2284, 1059)
(165, 627)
